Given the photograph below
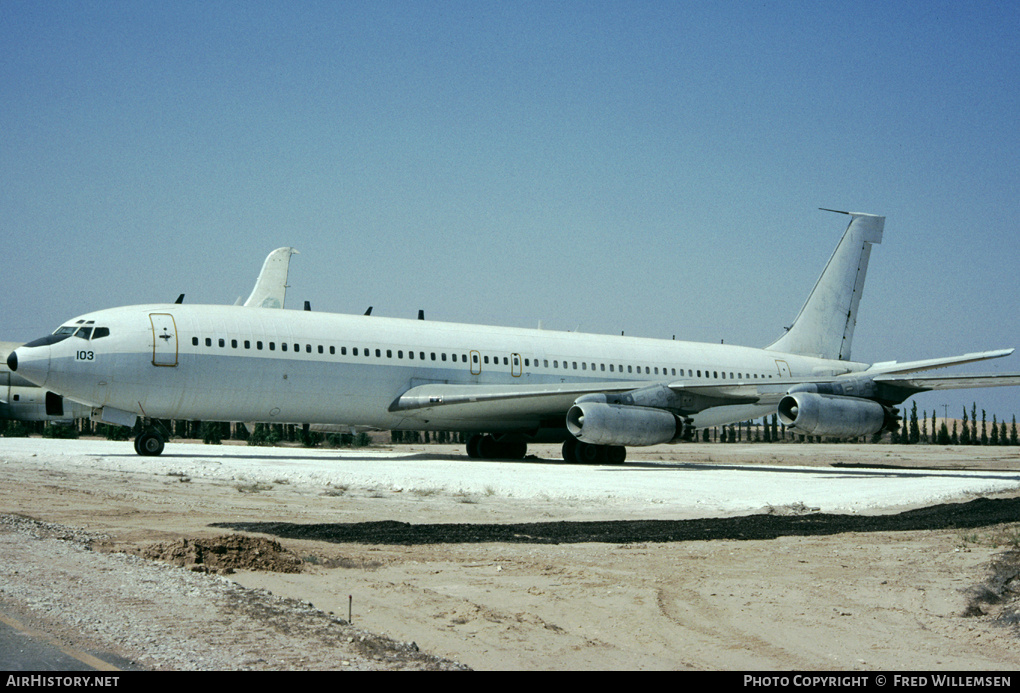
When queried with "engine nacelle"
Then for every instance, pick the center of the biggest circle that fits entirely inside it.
(612, 424)
(831, 415)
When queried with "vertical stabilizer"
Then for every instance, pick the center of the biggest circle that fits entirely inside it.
(271, 286)
(825, 325)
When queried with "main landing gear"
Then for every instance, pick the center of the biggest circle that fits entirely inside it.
(586, 453)
(489, 447)
(510, 447)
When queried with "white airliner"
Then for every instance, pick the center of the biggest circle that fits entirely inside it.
(21, 400)
(506, 386)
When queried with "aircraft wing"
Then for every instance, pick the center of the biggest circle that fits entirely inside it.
(436, 401)
(517, 402)
(511, 399)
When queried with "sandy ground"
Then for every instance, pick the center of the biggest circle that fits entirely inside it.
(866, 598)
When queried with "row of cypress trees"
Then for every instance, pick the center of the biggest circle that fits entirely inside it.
(914, 430)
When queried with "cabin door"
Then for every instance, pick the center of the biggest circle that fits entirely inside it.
(164, 339)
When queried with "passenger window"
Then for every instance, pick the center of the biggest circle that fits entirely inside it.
(194, 341)
(208, 341)
(283, 346)
(330, 349)
(222, 342)
(247, 344)
(378, 353)
(443, 356)
(272, 346)
(389, 353)
(258, 345)
(233, 343)
(355, 351)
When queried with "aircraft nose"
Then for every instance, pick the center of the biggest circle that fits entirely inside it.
(33, 364)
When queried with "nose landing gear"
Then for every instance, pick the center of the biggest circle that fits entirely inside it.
(149, 443)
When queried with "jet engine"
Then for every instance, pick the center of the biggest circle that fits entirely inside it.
(612, 424)
(832, 415)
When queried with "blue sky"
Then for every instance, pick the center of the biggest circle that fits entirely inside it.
(652, 167)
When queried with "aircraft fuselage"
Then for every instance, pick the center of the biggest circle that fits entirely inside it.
(233, 363)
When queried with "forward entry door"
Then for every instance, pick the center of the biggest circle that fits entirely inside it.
(164, 339)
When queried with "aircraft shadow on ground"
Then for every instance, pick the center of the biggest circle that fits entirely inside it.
(981, 512)
(837, 470)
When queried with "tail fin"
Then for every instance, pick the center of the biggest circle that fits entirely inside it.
(825, 325)
(271, 287)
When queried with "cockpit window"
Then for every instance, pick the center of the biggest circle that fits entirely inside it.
(66, 329)
(101, 332)
(83, 333)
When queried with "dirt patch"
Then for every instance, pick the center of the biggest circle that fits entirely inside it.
(225, 554)
(999, 595)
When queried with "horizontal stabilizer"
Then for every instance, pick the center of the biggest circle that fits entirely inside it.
(950, 382)
(930, 364)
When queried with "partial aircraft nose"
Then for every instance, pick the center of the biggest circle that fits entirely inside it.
(31, 363)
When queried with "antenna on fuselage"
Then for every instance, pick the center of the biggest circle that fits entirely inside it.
(369, 311)
(421, 314)
(180, 299)
(308, 305)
